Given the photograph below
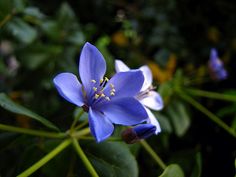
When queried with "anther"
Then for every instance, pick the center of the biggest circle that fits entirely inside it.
(93, 81)
(102, 95)
(105, 81)
(112, 93)
(112, 86)
(101, 81)
(95, 89)
(107, 98)
(96, 96)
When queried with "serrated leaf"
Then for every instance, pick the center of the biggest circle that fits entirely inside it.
(179, 117)
(21, 30)
(8, 104)
(112, 159)
(173, 170)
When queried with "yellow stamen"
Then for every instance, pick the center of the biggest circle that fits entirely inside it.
(113, 90)
(107, 98)
(112, 93)
(93, 81)
(112, 86)
(96, 96)
(102, 95)
(101, 80)
(95, 89)
(106, 79)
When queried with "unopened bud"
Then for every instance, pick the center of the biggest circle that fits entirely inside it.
(132, 135)
(216, 67)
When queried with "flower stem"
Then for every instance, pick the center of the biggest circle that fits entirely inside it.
(154, 155)
(46, 158)
(81, 125)
(213, 95)
(84, 158)
(80, 133)
(31, 132)
(209, 114)
(76, 120)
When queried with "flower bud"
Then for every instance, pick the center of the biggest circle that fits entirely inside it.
(216, 67)
(132, 135)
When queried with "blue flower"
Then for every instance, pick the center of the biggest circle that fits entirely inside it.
(143, 131)
(106, 101)
(149, 98)
(216, 67)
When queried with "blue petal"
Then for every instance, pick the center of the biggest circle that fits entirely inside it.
(213, 54)
(143, 131)
(126, 84)
(153, 100)
(101, 128)
(153, 120)
(124, 111)
(69, 88)
(120, 66)
(92, 66)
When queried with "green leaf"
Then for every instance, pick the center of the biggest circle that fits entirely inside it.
(197, 170)
(179, 116)
(162, 56)
(8, 104)
(112, 159)
(166, 91)
(22, 31)
(164, 122)
(76, 38)
(66, 15)
(51, 29)
(8, 7)
(102, 44)
(235, 165)
(34, 12)
(173, 170)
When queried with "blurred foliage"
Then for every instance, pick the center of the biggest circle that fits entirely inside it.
(39, 39)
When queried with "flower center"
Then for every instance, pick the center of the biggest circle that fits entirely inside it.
(145, 93)
(98, 89)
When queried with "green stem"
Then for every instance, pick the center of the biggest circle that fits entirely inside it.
(46, 158)
(84, 158)
(31, 132)
(213, 95)
(154, 155)
(76, 120)
(81, 125)
(80, 133)
(209, 114)
(6, 19)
